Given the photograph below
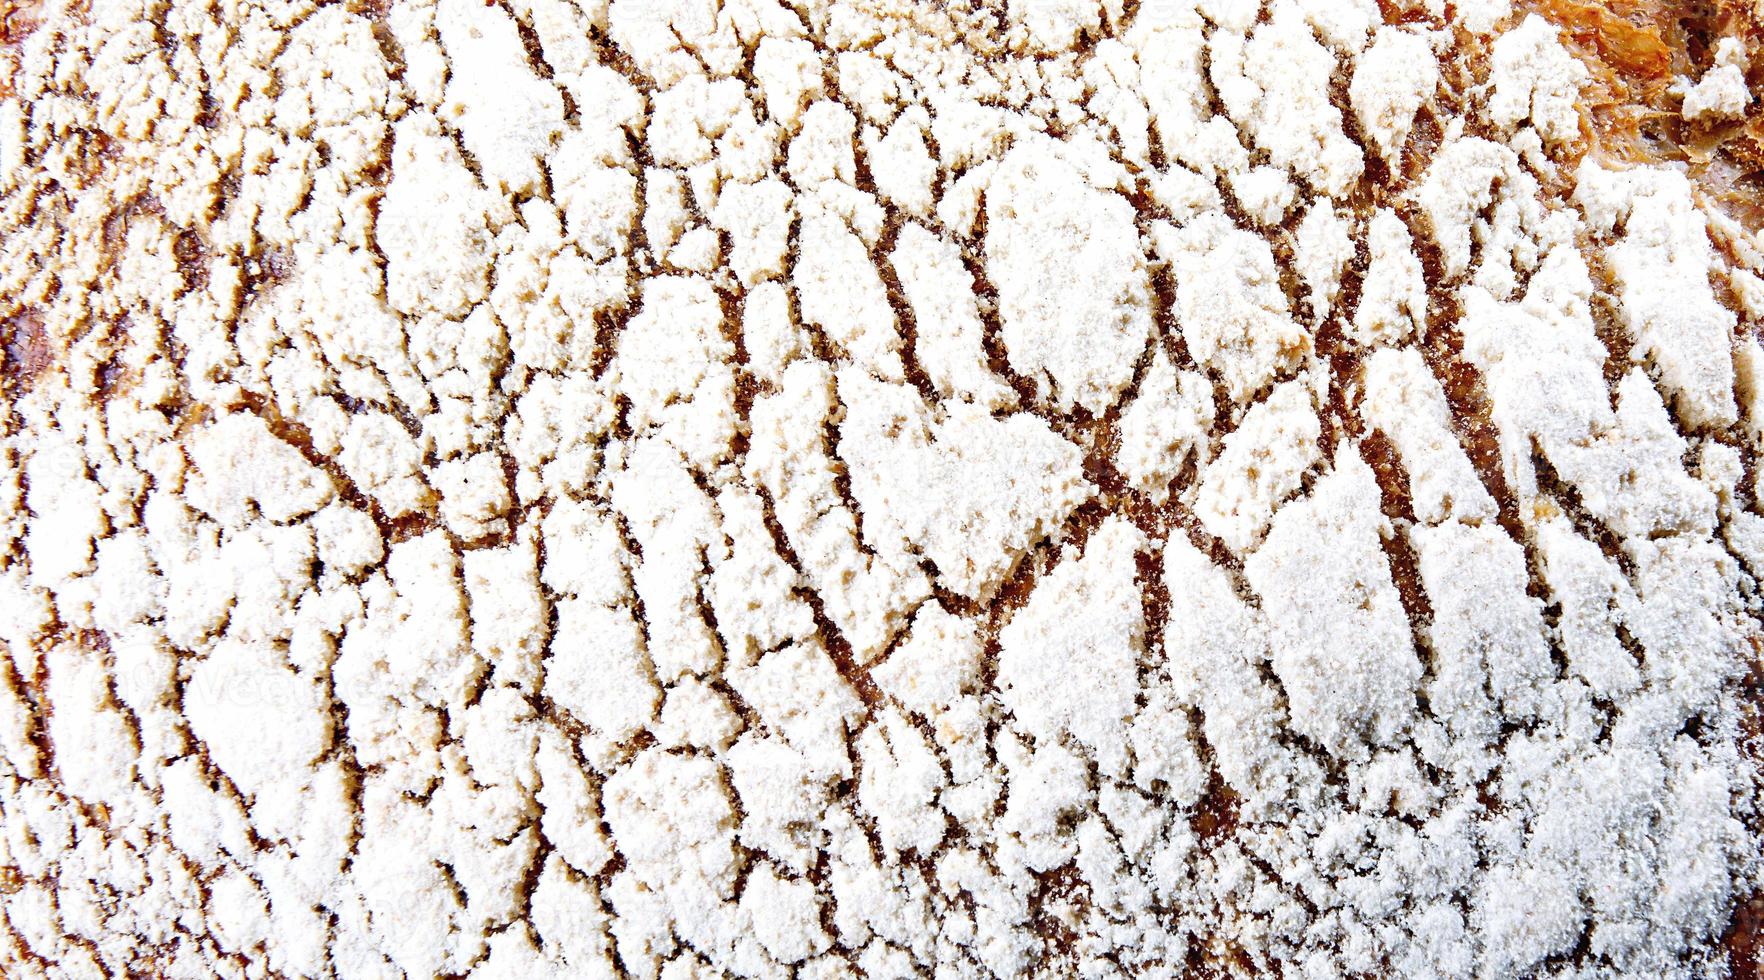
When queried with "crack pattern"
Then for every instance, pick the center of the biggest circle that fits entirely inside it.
(873, 487)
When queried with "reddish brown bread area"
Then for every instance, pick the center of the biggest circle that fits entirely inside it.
(1638, 50)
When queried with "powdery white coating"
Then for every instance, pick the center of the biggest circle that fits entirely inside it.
(1547, 391)
(866, 595)
(900, 783)
(967, 131)
(1214, 644)
(1632, 478)
(95, 733)
(1172, 48)
(506, 115)
(672, 488)
(1594, 597)
(1391, 81)
(1321, 250)
(507, 606)
(757, 218)
(1466, 176)
(840, 292)
(673, 522)
(786, 915)
(1487, 636)
(1661, 266)
(1686, 620)
(1405, 402)
(685, 119)
(660, 807)
(1481, 16)
(766, 768)
(1722, 92)
(1393, 295)
(1748, 366)
(1339, 639)
(1541, 362)
(1066, 662)
(596, 667)
(1280, 95)
(799, 693)
(937, 663)
(751, 589)
(902, 165)
(697, 715)
(242, 471)
(1050, 26)
(598, 201)
(1168, 422)
(949, 337)
(473, 495)
(1113, 77)
(672, 368)
(552, 437)
(259, 718)
(1073, 296)
(1232, 314)
(431, 224)
(772, 338)
(1344, 25)
(968, 491)
(788, 70)
(1259, 466)
(1533, 79)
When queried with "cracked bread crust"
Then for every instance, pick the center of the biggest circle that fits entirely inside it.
(880, 487)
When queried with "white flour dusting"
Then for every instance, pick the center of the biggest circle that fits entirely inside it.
(835, 488)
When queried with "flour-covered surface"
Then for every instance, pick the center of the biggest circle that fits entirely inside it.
(880, 488)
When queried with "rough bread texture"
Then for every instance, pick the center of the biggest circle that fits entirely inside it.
(834, 488)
